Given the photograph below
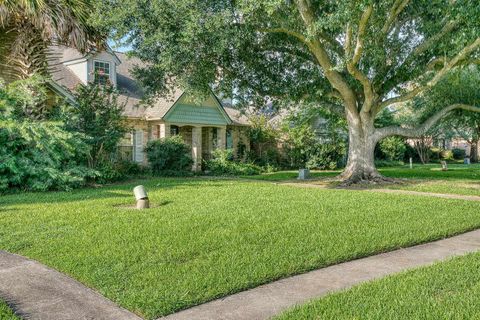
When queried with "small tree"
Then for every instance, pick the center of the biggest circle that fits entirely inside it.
(263, 139)
(97, 115)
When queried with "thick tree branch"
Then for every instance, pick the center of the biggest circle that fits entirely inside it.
(424, 127)
(362, 26)
(352, 64)
(397, 8)
(295, 34)
(427, 44)
(421, 48)
(334, 77)
(462, 55)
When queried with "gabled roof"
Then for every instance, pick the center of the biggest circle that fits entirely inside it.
(131, 93)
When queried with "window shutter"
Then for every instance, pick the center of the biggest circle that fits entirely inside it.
(138, 146)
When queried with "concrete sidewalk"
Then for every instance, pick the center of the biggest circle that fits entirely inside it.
(38, 292)
(271, 299)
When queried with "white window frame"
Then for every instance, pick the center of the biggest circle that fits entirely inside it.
(109, 70)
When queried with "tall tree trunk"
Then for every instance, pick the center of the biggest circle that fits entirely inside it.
(361, 160)
(474, 151)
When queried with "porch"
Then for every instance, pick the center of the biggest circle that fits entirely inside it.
(202, 139)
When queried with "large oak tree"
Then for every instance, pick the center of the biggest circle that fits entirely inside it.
(356, 57)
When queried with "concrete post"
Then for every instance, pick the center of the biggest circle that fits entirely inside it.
(221, 136)
(164, 130)
(197, 148)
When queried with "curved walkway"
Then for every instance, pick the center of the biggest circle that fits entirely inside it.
(38, 292)
(395, 191)
(268, 300)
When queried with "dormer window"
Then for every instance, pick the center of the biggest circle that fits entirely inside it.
(101, 71)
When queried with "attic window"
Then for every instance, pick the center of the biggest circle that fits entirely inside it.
(101, 72)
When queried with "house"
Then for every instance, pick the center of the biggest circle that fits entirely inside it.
(205, 126)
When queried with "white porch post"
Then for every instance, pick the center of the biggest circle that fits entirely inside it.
(221, 136)
(164, 130)
(197, 148)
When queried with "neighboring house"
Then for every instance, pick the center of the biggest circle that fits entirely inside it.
(204, 126)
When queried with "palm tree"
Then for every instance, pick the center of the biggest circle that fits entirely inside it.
(29, 27)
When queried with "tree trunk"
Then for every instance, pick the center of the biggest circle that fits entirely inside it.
(360, 164)
(474, 151)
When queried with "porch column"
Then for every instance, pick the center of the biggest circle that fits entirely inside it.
(197, 148)
(164, 130)
(221, 136)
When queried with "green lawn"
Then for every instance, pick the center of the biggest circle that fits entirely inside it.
(433, 171)
(447, 290)
(208, 238)
(6, 313)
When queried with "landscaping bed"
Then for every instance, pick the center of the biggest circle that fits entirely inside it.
(446, 290)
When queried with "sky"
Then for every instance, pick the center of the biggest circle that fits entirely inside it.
(118, 48)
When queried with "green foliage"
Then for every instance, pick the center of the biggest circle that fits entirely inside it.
(263, 141)
(41, 156)
(304, 150)
(169, 156)
(393, 148)
(223, 164)
(458, 154)
(326, 156)
(98, 116)
(25, 99)
(28, 27)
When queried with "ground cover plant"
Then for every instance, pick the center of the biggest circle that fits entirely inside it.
(446, 290)
(6, 313)
(208, 238)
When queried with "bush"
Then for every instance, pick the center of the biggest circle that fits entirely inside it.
(304, 150)
(446, 155)
(117, 170)
(435, 154)
(392, 148)
(326, 156)
(169, 156)
(388, 163)
(222, 164)
(458, 154)
(41, 156)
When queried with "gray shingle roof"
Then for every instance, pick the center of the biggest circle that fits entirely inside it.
(130, 92)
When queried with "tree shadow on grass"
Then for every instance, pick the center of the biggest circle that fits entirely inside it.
(117, 190)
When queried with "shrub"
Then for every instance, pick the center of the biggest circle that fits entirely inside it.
(299, 145)
(304, 150)
(223, 164)
(326, 156)
(392, 148)
(169, 156)
(98, 115)
(458, 154)
(41, 156)
(446, 155)
(117, 170)
(435, 154)
(388, 163)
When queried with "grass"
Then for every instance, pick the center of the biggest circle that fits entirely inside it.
(446, 290)
(433, 171)
(208, 238)
(6, 313)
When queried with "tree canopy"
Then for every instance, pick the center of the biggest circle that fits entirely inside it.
(356, 57)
